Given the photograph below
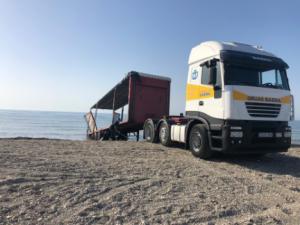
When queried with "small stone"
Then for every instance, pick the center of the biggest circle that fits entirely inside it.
(290, 200)
(287, 211)
(268, 177)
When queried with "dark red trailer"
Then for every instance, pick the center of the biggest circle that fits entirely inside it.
(144, 95)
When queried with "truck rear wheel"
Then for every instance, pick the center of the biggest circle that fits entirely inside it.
(164, 134)
(198, 142)
(149, 131)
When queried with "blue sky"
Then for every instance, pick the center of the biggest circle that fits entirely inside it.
(64, 55)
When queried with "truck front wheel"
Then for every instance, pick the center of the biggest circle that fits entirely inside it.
(198, 142)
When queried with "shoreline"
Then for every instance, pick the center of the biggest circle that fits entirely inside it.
(293, 145)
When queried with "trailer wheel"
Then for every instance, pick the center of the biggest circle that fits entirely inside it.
(149, 131)
(198, 142)
(164, 134)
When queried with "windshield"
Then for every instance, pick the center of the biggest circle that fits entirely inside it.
(271, 78)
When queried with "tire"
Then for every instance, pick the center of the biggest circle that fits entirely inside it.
(198, 142)
(149, 131)
(164, 134)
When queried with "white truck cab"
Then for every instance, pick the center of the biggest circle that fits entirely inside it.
(238, 100)
(234, 81)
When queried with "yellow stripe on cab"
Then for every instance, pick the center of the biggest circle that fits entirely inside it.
(194, 92)
(240, 96)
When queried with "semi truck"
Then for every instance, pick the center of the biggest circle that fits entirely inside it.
(238, 100)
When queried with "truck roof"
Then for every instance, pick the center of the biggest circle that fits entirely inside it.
(213, 48)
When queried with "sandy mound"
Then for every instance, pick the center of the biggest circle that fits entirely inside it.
(73, 182)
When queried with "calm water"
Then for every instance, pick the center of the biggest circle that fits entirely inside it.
(59, 125)
(63, 125)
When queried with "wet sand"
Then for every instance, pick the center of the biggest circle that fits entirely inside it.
(87, 182)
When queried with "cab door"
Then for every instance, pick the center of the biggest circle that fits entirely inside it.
(204, 90)
(211, 99)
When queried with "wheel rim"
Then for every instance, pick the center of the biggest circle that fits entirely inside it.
(196, 142)
(163, 133)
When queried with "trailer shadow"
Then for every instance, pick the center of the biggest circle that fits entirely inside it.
(277, 163)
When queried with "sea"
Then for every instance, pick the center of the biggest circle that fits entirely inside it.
(65, 125)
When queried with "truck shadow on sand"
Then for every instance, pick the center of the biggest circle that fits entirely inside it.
(275, 163)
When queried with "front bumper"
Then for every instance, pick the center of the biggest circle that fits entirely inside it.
(251, 140)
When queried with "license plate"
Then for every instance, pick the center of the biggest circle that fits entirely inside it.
(265, 134)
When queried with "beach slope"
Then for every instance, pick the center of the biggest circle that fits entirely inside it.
(87, 182)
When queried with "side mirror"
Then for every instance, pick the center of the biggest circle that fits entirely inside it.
(217, 91)
(205, 64)
(213, 75)
(210, 63)
(217, 88)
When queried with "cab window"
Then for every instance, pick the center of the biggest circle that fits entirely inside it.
(205, 78)
(211, 74)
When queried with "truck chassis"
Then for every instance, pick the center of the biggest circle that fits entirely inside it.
(203, 138)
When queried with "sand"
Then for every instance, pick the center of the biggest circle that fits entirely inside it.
(87, 182)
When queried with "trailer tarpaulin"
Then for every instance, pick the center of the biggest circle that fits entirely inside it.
(116, 97)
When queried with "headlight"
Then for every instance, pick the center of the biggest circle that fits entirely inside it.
(235, 128)
(236, 134)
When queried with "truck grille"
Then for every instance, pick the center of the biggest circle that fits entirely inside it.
(256, 109)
